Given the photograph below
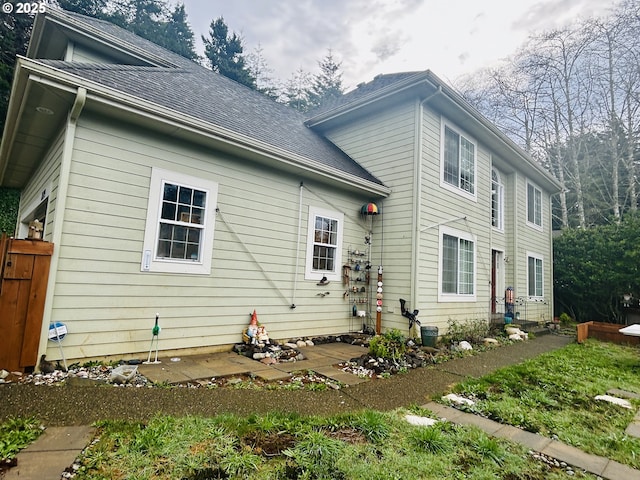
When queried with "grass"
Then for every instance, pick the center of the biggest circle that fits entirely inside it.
(365, 444)
(16, 434)
(553, 395)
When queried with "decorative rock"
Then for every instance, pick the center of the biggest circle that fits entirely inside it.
(420, 421)
(268, 360)
(458, 400)
(309, 343)
(621, 402)
(489, 341)
(259, 356)
(301, 343)
(515, 337)
(3, 374)
(290, 345)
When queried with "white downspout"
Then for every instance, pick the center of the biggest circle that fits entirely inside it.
(417, 197)
(295, 272)
(58, 220)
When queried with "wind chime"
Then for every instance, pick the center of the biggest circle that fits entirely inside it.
(370, 210)
(155, 331)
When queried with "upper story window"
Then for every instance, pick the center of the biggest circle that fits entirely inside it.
(457, 265)
(497, 200)
(180, 220)
(458, 161)
(324, 244)
(534, 205)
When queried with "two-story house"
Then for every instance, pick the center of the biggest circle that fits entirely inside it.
(168, 189)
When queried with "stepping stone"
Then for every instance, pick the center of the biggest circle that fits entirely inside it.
(616, 392)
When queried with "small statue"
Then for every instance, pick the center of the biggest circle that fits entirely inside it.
(252, 329)
(35, 230)
(262, 335)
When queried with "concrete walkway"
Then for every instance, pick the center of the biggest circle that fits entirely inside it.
(51, 454)
(562, 452)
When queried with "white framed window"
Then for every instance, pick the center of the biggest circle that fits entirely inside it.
(458, 160)
(457, 265)
(534, 206)
(324, 244)
(535, 275)
(497, 200)
(180, 223)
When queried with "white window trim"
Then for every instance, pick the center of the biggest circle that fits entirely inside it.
(447, 186)
(149, 262)
(529, 223)
(536, 256)
(310, 273)
(456, 297)
(500, 227)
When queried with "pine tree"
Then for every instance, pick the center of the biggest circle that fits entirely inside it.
(327, 85)
(225, 54)
(14, 39)
(90, 8)
(295, 90)
(179, 35)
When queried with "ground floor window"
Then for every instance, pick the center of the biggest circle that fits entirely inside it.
(180, 221)
(324, 244)
(457, 265)
(535, 284)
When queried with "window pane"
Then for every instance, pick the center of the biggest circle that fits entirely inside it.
(539, 292)
(177, 250)
(466, 267)
(467, 165)
(185, 195)
(449, 264)
(534, 205)
(170, 192)
(197, 216)
(183, 213)
(168, 211)
(451, 156)
(535, 278)
(199, 198)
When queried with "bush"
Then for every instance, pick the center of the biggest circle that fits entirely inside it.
(473, 331)
(390, 345)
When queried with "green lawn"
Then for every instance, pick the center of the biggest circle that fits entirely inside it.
(554, 395)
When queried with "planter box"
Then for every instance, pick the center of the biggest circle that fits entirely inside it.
(607, 332)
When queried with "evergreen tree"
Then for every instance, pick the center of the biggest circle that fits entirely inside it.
(295, 90)
(327, 85)
(225, 54)
(90, 8)
(178, 34)
(14, 39)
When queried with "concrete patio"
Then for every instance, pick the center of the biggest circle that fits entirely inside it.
(322, 359)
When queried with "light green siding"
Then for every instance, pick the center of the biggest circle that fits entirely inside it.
(45, 179)
(385, 145)
(109, 305)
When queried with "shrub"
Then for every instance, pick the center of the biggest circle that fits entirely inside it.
(390, 345)
(473, 331)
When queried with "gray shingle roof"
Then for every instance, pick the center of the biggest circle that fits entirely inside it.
(378, 83)
(193, 90)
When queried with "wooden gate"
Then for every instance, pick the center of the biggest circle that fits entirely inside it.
(24, 273)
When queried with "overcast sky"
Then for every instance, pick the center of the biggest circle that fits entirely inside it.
(448, 37)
